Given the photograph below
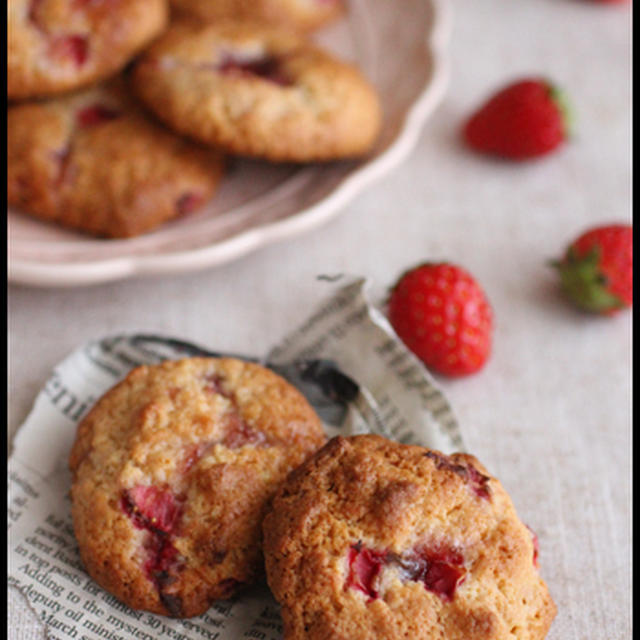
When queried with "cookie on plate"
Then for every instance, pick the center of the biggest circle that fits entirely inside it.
(58, 45)
(258, 91)
(94, 161)
(172, 471)
(375, 539)
(301, 15)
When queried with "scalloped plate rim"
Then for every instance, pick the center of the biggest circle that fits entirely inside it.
(51, 274)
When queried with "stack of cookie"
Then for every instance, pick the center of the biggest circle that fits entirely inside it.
(123, 110)
(192, 476)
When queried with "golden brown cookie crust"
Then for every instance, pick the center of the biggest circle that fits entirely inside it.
(172, 471)
(58, 45)
(301, 15)
(258, 91)
(373, 539)
(96, 162)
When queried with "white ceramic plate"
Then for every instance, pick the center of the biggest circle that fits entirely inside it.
(400, 46)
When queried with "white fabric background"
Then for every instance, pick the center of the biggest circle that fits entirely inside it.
(551, 413)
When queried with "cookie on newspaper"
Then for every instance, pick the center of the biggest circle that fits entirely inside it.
(302, 15)
(258, 91)
(94, 161)
(172, 471)
(374, 539)
(58, 45)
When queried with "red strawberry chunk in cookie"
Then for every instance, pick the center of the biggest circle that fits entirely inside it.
(33, 14)
(192, 456)
(160, 566)
(64, 172)
(236, 432)
(239, 433)
(478, 482)
(157, 511)
(214, 384)
(440, 570)
(365, 566)
(162, 557)
(536, 546)
(81, 4)
(229, 585)
(188, 203)
(268, 68)
(74, 48)
(95, 114)
(152, 508)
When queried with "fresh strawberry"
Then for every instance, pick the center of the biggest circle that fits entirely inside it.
(443, 316)
(526, 119)
(597, 269)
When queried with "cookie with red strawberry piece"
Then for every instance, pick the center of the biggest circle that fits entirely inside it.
(375, 539)
(442, 314)
(94, 161)
(58, 45)
(524, 120)
(258, 91)
(596, 270)
(172, 472)
(300, 15)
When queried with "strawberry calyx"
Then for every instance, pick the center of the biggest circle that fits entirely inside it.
(585, 283)
(559, 98)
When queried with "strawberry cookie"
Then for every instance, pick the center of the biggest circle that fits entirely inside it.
(94, 161)
(172, 471)
(301, 15)
(375, 539)
(58, 45)
(258, 91)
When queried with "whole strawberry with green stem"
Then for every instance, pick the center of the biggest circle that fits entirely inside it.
(442, 314)
(596, 271)
(526, 119)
